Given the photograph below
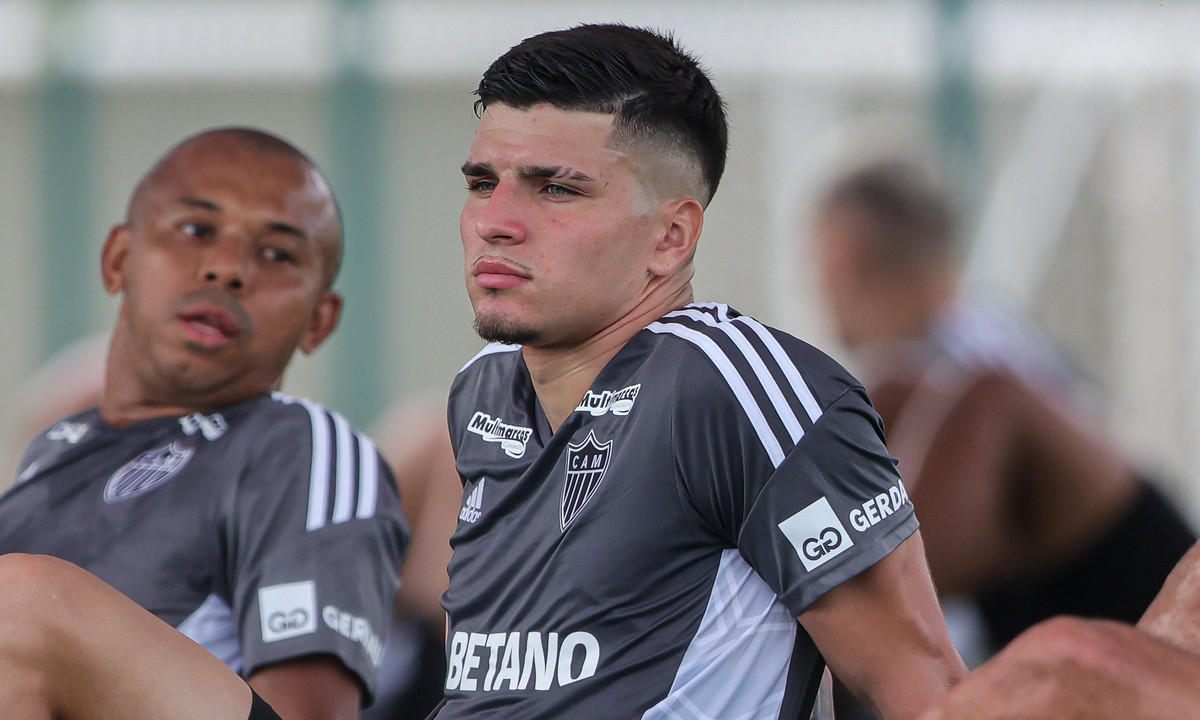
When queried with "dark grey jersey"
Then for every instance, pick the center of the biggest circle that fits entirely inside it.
(648, 559)
(268, 531)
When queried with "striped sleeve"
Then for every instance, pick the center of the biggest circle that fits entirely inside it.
(343, 479)
(319, 541)
(780, 451)
(767, 383)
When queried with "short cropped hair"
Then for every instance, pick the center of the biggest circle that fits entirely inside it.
(658, 93)
(915, 218)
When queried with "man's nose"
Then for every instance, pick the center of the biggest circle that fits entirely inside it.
(501, 219)
(228, 263)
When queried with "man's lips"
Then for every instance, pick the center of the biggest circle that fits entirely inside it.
(209, 325)
(497, 274)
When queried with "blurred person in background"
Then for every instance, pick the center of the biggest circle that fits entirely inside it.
(1028, 510)
(263, 527)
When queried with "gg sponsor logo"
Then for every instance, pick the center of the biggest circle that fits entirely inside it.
(288, 610)
(281, 622)
(816, 548)
(817, 534)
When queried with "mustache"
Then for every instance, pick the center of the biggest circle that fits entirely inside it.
(209, 296)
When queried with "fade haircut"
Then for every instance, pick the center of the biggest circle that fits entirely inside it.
(658, 94)
(913, 217)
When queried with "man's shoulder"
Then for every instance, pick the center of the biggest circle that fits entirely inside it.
(285, 439)
(281, 411)
(487, 372)
(283, 421)
(71, 436)
(71, 428)
(492, 356)
(737, 350)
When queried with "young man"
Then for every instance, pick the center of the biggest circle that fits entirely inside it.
(655, 490)
(261, 526)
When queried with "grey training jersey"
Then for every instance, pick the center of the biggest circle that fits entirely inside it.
(267, 531)
(648, 559)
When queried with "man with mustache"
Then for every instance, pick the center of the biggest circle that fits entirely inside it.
(670, 510)
(263, 527)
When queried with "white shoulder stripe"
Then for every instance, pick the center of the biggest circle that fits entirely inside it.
(790, 371)
(721, 309)
(343, 498)
(318, 487)
(782, 408)
(729, 372)
(491, 349)
(347, 478)
(368, 478)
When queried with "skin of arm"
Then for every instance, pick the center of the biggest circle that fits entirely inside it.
(882, 633)
(318, 687)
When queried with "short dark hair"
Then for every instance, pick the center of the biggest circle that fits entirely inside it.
(658, 92)
(915, 216)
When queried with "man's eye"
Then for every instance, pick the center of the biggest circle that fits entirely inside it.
(199, 230)
(277, 255)
(556, 190)
(481, 186)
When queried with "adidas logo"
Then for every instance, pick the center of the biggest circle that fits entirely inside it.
(472, 508)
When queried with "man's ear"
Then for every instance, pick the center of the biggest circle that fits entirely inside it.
(680, 231)
(325, 317)
(112, 258)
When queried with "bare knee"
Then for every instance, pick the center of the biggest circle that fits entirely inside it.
(36, 595)
(27, 582)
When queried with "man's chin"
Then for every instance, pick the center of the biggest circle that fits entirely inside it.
(504, 330)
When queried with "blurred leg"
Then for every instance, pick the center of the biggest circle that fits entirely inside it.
(72, 647)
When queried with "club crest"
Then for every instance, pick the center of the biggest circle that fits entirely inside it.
(586, 463)
(146, 472)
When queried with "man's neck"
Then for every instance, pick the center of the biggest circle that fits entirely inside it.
(122, 416)
(562, 375)
(128, 398)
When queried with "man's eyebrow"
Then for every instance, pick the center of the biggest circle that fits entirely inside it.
(274, 225)
(552, 172)
(287, 229)
(481, 169)
(199, 203)
(473, 169)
